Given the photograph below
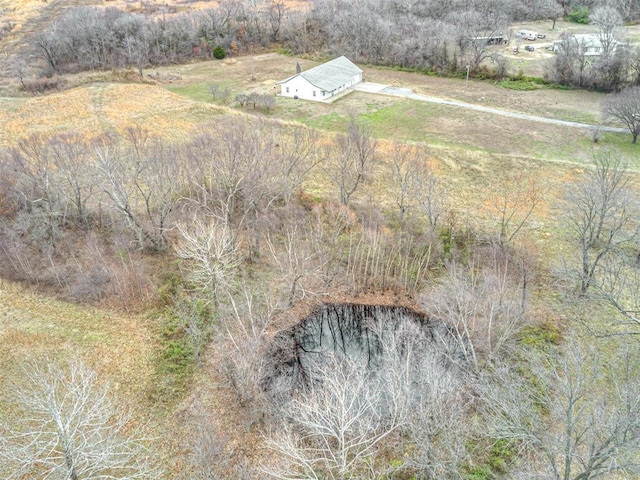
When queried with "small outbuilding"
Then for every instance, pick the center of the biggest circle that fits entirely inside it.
(322, 82)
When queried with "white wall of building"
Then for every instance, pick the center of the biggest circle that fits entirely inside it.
(300, 87)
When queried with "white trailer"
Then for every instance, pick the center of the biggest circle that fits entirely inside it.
(527, 34)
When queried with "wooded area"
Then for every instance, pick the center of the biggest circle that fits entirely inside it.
(427, 36)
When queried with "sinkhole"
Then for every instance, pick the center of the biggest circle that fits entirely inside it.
(375, 337)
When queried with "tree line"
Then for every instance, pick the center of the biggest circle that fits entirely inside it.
(421, 35)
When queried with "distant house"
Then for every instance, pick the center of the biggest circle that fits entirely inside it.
(323, 81)
(587, 44)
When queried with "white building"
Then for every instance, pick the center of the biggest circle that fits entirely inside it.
(587, 44)
(323, 81)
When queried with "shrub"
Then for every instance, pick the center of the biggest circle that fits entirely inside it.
(41, 85)
(521, 85)
(219, 52)
(242, 98)
(579, 15)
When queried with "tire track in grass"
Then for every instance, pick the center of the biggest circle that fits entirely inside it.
(99, 106)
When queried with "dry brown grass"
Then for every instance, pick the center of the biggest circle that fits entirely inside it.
(96, 108)
(119, 346)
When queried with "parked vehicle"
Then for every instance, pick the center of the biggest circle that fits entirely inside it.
(527, 34)
(493, 40)
(542, 35)
(529, 48)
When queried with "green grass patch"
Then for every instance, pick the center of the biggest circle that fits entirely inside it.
(502, 453)
(333, 122)
(479, 472)
(520, 85)
(194, 91)
(574, 116)
(540, 337)
(621, 143)
(403, 119)
(424, 71)
(174, 363)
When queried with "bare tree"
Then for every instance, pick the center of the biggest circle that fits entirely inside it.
(611, 66)
(429, 195)
(242, 98)
(571, 65)
(211, 251)
(37, 188)
(250, 167)
(512, 202)
(253, 99)
(408, 167)
(601, 215)
(214, 88)
(333, 430)
(242, 333)
(51, 46)
(238, 176)
(429, 394)
(207, 455)
(608, 21)
(351, 159)
(141, 181)
(624, 107)
(218, 92)
(550, 9)
(300, 260)
(75, 172)
(70, 429)
(484, 306)
(619, 286)
(298, 154)
(473, 29)
(277, 11)
(267, 102)
(578, 419)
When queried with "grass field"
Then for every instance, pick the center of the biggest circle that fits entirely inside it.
(98, 108)
(120, 347)
(441, 125)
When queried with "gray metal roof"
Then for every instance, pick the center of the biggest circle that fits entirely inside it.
(331, 75)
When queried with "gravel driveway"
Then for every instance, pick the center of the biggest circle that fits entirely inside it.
(378, 88)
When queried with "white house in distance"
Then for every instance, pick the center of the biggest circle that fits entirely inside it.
(587, 44)
(322, 82)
